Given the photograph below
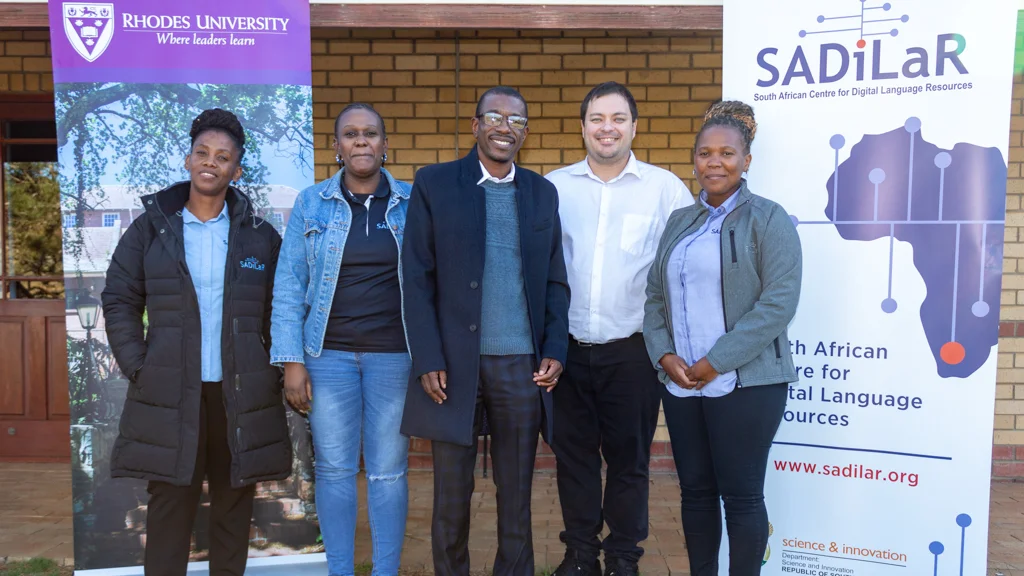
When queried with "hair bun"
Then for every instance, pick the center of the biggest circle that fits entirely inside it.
(733, 109)
(220, 120)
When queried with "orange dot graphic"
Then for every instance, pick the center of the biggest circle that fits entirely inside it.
(952, 352)
(861, 43)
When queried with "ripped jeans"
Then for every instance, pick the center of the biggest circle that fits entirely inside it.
(358, 398)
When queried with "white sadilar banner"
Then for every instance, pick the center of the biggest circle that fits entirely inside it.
(883, 131)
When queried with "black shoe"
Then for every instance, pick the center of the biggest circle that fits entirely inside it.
(620, 567)
(576, 564)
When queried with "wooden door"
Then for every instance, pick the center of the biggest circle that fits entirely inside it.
(34, 419)
(33, 381)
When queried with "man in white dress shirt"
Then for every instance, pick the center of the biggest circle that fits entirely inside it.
(613, 210)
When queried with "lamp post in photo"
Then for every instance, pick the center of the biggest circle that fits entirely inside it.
(88, 309)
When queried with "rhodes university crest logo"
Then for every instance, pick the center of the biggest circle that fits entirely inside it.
(89, 27)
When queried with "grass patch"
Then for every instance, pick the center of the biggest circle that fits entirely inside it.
(35, 567)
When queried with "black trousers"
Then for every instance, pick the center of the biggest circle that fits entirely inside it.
(606, 403)
(172, 509)
(721, 449)
(512, 402)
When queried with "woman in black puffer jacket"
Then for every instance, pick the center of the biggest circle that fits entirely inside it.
(204, 400)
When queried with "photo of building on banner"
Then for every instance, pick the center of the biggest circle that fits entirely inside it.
(883, 133)
(130, 78)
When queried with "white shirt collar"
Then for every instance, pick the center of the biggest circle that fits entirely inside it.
(487, 176)
(582, 168)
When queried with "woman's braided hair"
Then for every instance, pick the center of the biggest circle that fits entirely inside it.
(222, 121)
(734, 114)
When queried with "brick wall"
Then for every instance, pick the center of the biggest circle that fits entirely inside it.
(411, 76)
(25, 61)
(426, 84)
(1008, 449)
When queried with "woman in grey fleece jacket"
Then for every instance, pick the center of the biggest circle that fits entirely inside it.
(723, 287)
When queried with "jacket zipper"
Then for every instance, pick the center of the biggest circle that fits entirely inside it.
(778, 351)
(189, 289)
(233, 231)
(721, 277)
(401, 284)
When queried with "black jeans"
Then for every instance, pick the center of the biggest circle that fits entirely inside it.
(606, 403)
(512, 402)
(172, 509)
(721, 449)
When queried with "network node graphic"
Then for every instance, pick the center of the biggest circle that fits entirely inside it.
(949, 205)
(866, 24)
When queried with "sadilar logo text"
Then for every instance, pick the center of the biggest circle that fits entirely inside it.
(879, 62)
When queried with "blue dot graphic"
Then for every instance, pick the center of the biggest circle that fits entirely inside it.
(803, 33)
(888, 305)
(912, 125)
(943, 160)
(837, 141)
(894, 32)
(980, 309)
(905, 18)
(963, 520)
(886, 6)
(876, 176)
(936, 548)
(821, 19)
(796, 221)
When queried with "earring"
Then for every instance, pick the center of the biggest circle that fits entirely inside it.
(337, 158)
(384, 159)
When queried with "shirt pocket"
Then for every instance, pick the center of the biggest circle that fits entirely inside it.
(314, 237)
(637, 232)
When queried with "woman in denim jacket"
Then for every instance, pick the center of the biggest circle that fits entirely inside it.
(337, 328)
(723, 288)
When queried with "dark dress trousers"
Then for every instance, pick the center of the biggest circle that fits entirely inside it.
(443, 266)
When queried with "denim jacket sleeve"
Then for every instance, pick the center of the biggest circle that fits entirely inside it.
(780, 267)
(291, 281)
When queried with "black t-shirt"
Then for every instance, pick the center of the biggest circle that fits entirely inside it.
(366, 315)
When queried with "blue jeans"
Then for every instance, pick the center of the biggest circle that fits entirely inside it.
(360, 394)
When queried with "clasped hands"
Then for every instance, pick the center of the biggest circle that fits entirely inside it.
(689, 377)
(435, 383)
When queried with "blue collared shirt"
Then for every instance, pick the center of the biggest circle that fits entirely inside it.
(206, 252)
(695, 297)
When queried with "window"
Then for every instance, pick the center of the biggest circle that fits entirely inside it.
(30, 212)
(70, 220)
(277, 219)
(111, 220)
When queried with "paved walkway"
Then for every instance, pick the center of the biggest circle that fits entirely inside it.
(35, 521)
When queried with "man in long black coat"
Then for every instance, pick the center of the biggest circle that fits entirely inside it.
(487, 304)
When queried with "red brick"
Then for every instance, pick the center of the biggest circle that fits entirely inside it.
(1006, 329)
(663, 464)
(421, 462)
(1002, 452)
(1008, 469)
(661, 448)
(544, 462)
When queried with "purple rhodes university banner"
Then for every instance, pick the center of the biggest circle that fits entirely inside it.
(130, 76)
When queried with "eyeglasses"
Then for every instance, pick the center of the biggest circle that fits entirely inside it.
(496, 119)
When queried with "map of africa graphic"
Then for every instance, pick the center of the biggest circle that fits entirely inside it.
(949, 205)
